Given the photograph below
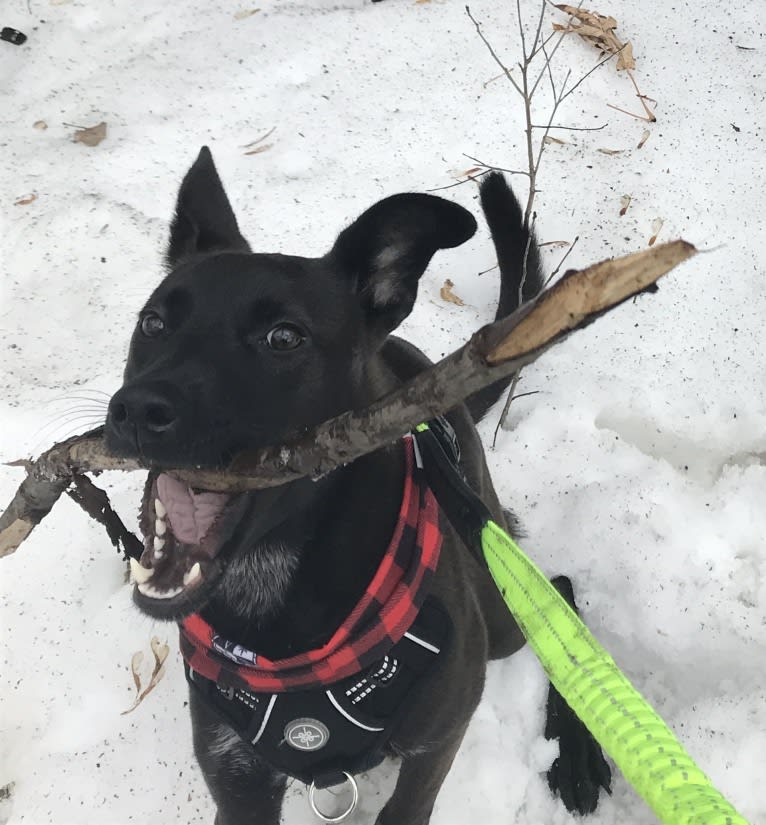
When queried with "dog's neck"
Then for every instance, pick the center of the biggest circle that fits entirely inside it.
(298, 583)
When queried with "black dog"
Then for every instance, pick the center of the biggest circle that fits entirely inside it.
(236, 350)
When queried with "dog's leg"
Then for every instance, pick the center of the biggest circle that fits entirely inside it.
(580, 771)
(245, 790)
(420, 779)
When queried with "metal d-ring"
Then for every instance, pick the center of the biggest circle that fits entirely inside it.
(354, 799)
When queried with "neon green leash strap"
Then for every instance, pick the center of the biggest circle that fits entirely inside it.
(620, 719)
(625, 725)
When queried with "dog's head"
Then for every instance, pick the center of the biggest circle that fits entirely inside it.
(236, 350)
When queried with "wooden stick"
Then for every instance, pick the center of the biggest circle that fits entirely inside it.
(494, 352)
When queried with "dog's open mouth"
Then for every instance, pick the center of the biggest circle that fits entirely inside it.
(184, 532)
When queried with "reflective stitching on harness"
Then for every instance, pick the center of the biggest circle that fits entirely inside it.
(262, 728)
(349, 716)
(422, 643)
(389, 667)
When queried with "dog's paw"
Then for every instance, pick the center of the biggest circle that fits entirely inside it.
(580, 771)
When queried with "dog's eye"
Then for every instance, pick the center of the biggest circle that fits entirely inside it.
(152, 325)
(284, 337)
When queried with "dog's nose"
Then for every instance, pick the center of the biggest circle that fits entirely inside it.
(142, 409)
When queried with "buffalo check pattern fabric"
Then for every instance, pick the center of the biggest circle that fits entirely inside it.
(380, 619)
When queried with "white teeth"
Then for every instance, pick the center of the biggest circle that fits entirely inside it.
(160, 526)
(140, 573)
(159, 508)
(158, 543)
(193, 574)
(153, 593)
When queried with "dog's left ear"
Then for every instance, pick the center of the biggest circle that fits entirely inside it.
(204, 220)
(386, 250)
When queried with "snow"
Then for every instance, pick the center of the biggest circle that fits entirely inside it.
(639, 468)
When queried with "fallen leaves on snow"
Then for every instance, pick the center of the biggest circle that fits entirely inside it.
(601, 31)
(255, 147)
(91, 135)
(656, 227)
(448, 295)
(160, 652)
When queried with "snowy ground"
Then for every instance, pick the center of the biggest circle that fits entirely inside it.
(639, 468)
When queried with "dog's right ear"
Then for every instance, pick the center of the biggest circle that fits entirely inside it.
(204, 220)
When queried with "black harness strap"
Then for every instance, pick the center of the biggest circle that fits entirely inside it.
(466, 512)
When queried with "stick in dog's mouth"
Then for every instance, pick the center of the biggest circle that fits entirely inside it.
(184, 531)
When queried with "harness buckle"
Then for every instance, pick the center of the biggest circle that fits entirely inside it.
(349, 780)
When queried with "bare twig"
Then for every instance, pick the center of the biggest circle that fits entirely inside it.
(505, 69)
(459, 182)
(525, 260)
(494, 352)
(587, 75)
(506, 407)
(490, 167)
(561, 262)
(527, 86)
(571, 128)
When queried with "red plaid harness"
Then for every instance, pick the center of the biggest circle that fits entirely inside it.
(380, 619)
(319, 714)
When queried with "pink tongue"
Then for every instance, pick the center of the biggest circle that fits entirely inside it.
(191, 515)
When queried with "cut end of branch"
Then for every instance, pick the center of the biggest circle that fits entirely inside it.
(13, 535)
(582, 295)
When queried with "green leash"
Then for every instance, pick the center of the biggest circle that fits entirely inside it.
(620, 719)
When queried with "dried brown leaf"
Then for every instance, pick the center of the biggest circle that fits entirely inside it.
(625, 59)
(160, 651)
(610, 151)
(644, 138)
(135, 668)
(448, 295)
(245, 13)
(91, 135)
(551, 139)
(136, 660)
(40, 124)
(26, 200)
(156, 679)
(595, 19)
(624, 204)
(656, 227)
(599, 31)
